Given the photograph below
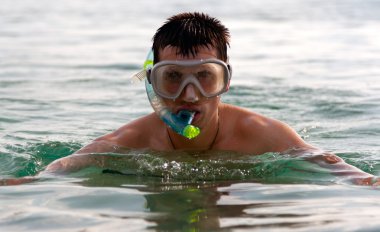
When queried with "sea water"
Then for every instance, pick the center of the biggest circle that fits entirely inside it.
(64, 80)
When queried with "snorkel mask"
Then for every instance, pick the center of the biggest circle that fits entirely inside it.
(181, 122)
(169, 78)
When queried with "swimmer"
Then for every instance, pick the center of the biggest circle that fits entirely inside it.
(185, 76)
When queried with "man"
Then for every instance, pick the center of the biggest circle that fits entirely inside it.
(189, 50)
(223, 127)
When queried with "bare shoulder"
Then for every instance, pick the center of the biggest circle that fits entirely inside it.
(136, 134)
(264, 134)
(247, 119)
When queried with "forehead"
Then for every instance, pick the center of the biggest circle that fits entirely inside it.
(171, 53)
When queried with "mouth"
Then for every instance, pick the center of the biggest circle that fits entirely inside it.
(196, 116)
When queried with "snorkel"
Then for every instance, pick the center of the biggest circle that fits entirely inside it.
(181, 122)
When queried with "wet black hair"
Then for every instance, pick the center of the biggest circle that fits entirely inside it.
(188, 32)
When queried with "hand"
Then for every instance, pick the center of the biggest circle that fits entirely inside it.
(369, 181)
(7, 182)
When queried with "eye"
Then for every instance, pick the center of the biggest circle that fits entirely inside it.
(204, 75)
(173, 76)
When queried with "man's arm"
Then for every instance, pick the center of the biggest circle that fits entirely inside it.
(339, 167)
(77, 161)
(80, 160)
(127, 136)
(292, 143)
(335, 165)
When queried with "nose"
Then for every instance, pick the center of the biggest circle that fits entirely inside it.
(190, 94)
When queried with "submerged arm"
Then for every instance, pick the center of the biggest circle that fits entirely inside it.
(337, 166)
(295, 145)
(80, 159)
(340, 168)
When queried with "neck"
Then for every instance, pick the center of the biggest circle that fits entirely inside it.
(205, 141)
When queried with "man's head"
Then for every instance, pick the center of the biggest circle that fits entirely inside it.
(188, 32)
(190, 55)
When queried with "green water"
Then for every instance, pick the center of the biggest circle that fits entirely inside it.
(140, 191)
(181, 166)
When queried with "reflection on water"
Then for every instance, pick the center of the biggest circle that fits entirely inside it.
(231, 205)
(191, 192)
(188, 191)
(113, 201)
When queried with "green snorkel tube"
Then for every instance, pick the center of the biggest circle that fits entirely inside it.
(181, 122)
